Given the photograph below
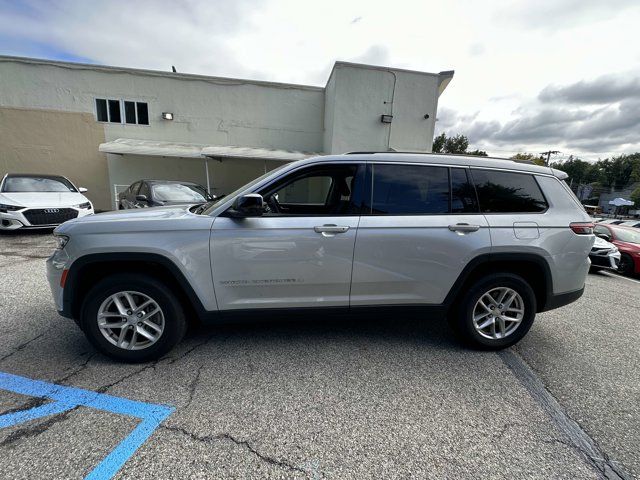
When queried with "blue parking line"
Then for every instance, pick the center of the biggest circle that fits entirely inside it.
(66, 398)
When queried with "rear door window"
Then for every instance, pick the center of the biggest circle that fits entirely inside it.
(409, 190)
(508, 192)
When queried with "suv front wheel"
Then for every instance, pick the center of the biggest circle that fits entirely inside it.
(496, 312)
(132, 317)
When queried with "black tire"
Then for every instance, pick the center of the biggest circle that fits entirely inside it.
(626, 264)
(175, 324)
(461, 317)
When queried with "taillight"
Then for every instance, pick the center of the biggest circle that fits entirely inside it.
(63, 278)
(582, 228)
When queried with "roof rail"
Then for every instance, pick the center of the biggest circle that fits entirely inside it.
(437, 153)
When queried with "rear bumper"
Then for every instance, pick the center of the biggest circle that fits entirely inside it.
(561, 299)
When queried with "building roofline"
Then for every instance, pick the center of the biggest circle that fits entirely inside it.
(157, 73)
(339, 63)
(444, 76)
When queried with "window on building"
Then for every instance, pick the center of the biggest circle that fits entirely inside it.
(410, 189)
(130, 112)
(111, 111)
(114, 111)
(101, 110)
(143, 113)
(508, 192)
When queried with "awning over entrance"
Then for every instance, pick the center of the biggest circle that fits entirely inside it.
(130, 146)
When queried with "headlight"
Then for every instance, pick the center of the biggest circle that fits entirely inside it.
(62, 241)
(84, 205)
(9, 208)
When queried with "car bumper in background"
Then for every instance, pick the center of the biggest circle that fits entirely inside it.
(607, 260)
(39, 218)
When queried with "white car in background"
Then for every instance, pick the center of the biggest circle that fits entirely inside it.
(40, 201)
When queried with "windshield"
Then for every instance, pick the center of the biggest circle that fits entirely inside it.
(37, 184)
(629, 236)
(177, 192)
(212, 206)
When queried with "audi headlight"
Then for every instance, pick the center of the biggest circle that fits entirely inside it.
(85, 205)
(62, 241)
(9, 208)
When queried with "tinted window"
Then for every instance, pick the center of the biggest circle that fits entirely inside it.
(410, 189)
(143, 113)
(114, 111)
(101, 110)
(463, 195)
(130, 112)
(327, 190)
(601, 229)
(501, 192)
(37, 184)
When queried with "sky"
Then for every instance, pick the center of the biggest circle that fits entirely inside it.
(530, 76)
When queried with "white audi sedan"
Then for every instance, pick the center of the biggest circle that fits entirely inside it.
(40, 201)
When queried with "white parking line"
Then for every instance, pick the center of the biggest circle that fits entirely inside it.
(611, 274)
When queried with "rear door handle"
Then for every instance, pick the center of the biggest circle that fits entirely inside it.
(464, 228)
(329, 230)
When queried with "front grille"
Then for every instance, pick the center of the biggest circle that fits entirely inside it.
(49, 216)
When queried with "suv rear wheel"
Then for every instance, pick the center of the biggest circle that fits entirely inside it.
(496, 312)
(132, 317)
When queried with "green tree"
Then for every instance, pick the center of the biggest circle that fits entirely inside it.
(635, 197)
(455, 144)
(529, 157)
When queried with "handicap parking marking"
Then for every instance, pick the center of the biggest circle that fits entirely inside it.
(67, 398)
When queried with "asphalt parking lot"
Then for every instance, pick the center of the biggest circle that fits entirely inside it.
(337, 398)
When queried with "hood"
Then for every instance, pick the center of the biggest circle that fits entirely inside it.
(43, 199)
(137, 220)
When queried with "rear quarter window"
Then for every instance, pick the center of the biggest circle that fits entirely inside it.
(508, 192)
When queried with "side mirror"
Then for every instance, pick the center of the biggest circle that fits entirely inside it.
(82, 190)
(604, 236)
(141, 198)
(249, 205)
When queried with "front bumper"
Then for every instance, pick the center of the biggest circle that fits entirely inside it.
(14, 220)
(605, 259)
(57, 263)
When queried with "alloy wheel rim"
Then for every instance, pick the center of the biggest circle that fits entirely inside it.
(131, 320)
(498, 313)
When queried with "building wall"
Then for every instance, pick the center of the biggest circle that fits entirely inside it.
(49, 122)
(58, 143)
(358, 95)
(206, 110)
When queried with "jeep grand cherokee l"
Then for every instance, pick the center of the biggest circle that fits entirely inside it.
(486, 242)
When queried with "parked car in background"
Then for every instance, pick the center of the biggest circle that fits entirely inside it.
(486, 243)
(40, 201)
(604, 254)
(157, 193)
(627, 240)
(631, 223)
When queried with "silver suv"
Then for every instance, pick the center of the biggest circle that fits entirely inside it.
(486, 242)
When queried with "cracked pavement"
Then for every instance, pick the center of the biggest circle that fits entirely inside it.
(332, 398)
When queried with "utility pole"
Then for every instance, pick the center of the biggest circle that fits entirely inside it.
(548, 154)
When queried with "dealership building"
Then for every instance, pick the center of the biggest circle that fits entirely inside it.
(106, 127)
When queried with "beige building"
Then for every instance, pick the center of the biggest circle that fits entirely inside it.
(106, 127)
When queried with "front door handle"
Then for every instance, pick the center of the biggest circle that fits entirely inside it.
(464, 228)
(329, 230)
